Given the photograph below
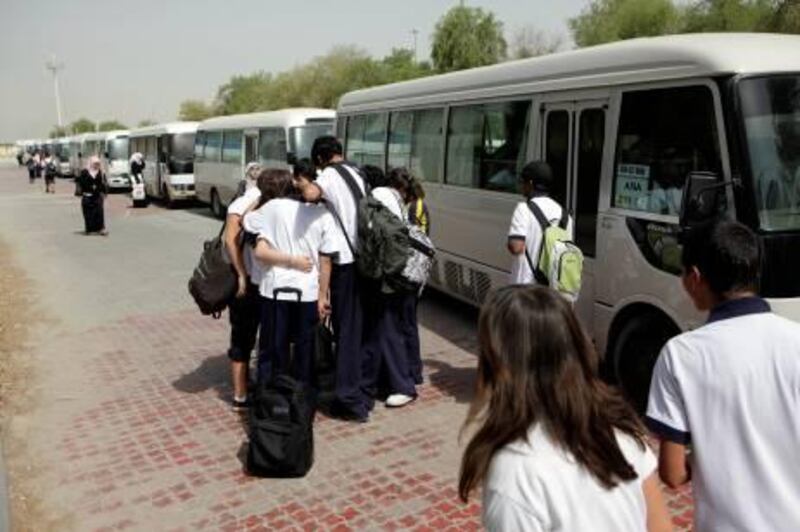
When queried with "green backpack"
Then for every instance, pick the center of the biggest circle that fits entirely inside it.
(560, 263)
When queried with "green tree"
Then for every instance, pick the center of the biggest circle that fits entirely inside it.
(529, 41)
(729, 15)
(145, 123)
(467, 37)
(613, 20)
(58, 131)
(786, 17)
(82, 125)
(195, 110)
(111, 125)
(400, 65)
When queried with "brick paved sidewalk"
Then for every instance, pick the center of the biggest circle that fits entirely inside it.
(134, 431)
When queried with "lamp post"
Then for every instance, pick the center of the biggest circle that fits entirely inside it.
(53, 66)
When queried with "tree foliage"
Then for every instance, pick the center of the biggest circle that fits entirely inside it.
(195, 110)
(58, 131)
(145, 123)
(530, 41)
(82, 125)
(613, 20)
(467, 37)
(111, 125)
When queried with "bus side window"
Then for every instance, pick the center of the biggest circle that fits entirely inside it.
(355, 139)
(375, 140)
(199, 145)
(427, 145)
(212, 146)
(272, 146)
(232, 146)
(557, 152)
(664, 134)
(591, 137)
(399, 150)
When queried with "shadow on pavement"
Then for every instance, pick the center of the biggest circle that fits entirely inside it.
(212, 373)
(458, 383)
(453, 320)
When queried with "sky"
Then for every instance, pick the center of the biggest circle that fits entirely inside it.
(131, 60)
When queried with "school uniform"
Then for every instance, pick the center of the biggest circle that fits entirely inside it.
(245, 313)
(419, 216)
(524, 226)
(346, 309)
(289, 313)
(731, 390)
(92, 190)
(386, 349)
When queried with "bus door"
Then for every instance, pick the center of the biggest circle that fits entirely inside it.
(163, 159)
(573, 139)
(250, 147)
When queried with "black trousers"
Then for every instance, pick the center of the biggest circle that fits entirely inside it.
(284, 323)
(346, 318)
(244, 315)
(93, 216)
(410, 329)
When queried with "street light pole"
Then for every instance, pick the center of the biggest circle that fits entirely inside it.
(53, 66)
(415, 32)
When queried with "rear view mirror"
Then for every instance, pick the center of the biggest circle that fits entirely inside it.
(704, 199)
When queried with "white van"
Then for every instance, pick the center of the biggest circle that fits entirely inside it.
(224, 145)
(169, 160)
(115, 158)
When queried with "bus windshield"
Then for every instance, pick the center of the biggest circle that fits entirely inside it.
(771, 113)
(302, 138)
(181, 153)
(118, 148)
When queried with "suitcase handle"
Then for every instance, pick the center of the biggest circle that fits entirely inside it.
(296, 291)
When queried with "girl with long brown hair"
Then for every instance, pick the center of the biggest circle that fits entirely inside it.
(556, 448)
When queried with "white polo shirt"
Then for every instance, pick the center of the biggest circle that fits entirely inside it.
(336, 192)
(537, 486)
(731, 389)
(239, 207)
(295, 228)
(525, 226)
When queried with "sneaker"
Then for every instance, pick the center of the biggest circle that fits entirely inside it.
(398, 400)
(240, 406)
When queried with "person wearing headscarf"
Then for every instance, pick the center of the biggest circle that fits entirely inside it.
(91, 185)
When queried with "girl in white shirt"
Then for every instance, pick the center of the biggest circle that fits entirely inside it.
(556, 448)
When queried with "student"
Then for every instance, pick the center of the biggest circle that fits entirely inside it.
(91, 185)
(137, 164)
(374, 176)
(418, 212)
(244, 312)
(556, 449)
(295, 243)
(386, 323)
(731, 390)
(525, 233)
(351, 402)
(50, 171)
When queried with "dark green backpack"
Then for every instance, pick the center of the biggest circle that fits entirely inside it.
(383, 244)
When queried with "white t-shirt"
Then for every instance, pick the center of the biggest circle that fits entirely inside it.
(336, 192)
(524, 225)
(295, 228)
(732, 389)
(537, 486)
(391, 199)
(238, 207)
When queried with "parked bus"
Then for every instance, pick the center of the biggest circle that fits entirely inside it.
(76, 162)
(622, 125)
(62, 153)
(168, 150)
(115, 158)
(224, 145)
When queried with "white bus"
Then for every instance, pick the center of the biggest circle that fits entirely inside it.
(76, 161)
(224, 145)
(168, 151)
(62, 153)
(115, 158)
(622, 125)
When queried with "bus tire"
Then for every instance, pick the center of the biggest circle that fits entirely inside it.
(216, 205)
(635, 352)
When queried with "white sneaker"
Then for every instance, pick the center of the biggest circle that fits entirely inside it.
(398, 399)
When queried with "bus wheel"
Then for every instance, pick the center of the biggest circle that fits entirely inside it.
(216, 205)
(635, 352)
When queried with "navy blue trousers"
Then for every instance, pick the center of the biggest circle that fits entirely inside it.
(346, 318)
(386, 349)
(285, 324)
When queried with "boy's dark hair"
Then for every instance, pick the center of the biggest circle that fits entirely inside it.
(304, 168)
(375, 176)
(539, 174)
(727, 254)
(401, 180)
(324, 149)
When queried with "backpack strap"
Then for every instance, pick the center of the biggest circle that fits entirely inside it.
(538, 274)
(355, 190)
(564, 222)
(341, 226)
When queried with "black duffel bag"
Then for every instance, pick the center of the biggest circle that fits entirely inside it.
(214, 281)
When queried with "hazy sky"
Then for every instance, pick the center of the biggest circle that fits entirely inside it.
(136, 59)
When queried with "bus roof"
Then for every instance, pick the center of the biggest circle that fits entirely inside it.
(632, 61)
(116, 133)
(168, 127)
(281, 118)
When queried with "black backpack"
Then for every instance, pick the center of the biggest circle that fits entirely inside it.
(214, 281)
(281, 430)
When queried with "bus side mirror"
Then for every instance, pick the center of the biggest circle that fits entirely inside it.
(704, 199)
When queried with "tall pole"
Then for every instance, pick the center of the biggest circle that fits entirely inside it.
(415, 32)
(54, 66)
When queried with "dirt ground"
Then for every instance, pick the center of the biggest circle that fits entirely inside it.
(17, 312)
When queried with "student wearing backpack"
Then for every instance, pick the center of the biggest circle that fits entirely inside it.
(725, 397)
(386, 318)
(331, 186)
(526, 235)
(244, 312)
(50, 171)
(296, 242)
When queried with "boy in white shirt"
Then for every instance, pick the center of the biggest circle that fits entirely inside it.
(731, 390)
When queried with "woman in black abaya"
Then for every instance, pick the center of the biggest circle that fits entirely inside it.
(92, 188)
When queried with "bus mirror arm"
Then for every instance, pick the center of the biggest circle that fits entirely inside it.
(704, 200)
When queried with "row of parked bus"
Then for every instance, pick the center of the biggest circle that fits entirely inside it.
(622, 125)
